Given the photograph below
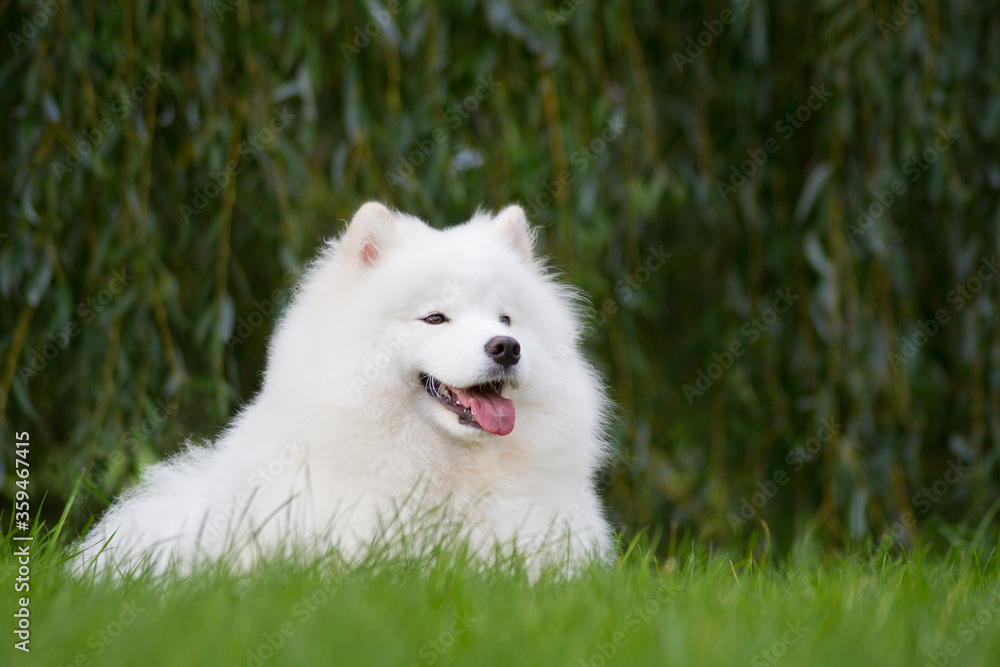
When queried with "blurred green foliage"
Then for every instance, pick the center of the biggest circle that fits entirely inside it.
(168, 167)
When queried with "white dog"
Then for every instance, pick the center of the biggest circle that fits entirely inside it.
(416, 373)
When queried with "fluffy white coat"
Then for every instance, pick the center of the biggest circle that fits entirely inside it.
(344, 446)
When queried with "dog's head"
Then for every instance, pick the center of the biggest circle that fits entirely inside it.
(468, 318)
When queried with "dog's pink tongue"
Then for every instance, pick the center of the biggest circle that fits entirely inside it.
(493, 412)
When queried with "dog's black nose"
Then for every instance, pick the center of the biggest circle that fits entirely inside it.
(504, 350)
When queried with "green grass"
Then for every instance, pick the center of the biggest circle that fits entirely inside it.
(694, 608)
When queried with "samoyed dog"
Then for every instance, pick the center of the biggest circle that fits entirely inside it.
(418, 379)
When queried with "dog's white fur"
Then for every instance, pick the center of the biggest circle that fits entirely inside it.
(344, 447)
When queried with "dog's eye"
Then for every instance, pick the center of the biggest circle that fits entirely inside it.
(435, 318)
(504, 319)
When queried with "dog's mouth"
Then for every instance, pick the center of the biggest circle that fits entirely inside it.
(480, 406)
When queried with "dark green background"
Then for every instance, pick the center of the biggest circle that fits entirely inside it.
(805, 112)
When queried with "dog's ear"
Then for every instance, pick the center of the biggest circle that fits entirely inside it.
(370, 232)
(513, 224)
